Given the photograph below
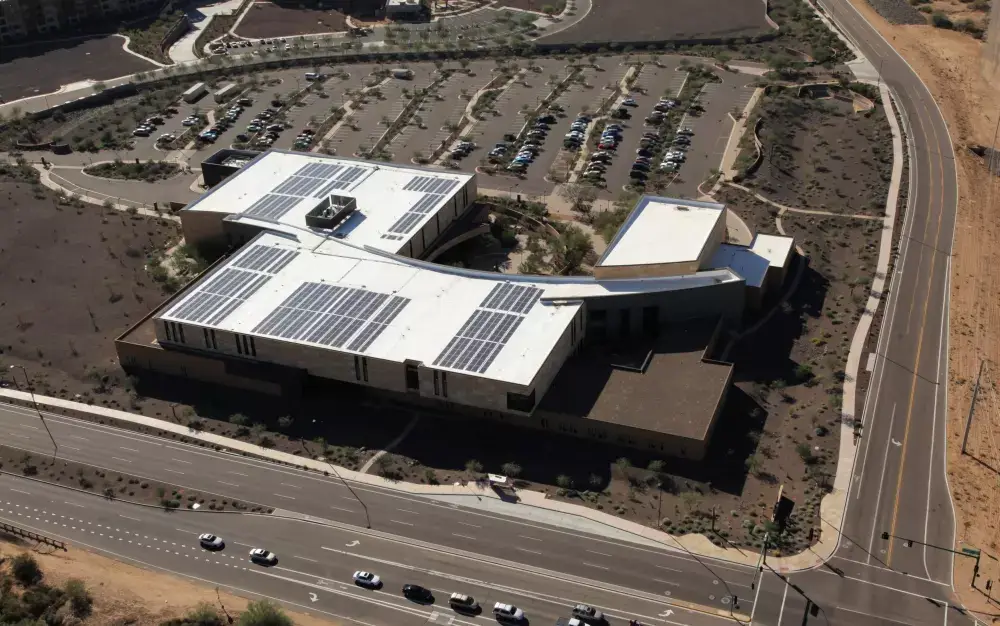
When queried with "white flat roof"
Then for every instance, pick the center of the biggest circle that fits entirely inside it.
(507, 337)
(775, 248)
(663, 230)
(742, 260)
(280, 187)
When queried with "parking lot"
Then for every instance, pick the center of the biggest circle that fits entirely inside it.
(427, 129)
(650, 85)
(315, 107)
(370, 119)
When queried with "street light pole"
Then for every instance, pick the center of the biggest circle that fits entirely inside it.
(368, 519)
(27, 381)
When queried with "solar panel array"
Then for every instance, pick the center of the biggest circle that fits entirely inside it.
(475, 346)
(434, 190)
(332, 315)
(265, 259)
(214, 300)
(303, 183)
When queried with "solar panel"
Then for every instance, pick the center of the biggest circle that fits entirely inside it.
(272, 206)
(298, 186)
(318, 170)
(351, 174)
(214, 300)
(265, 259)
(416, 182)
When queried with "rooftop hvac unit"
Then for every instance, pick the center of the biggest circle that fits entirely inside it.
(331, 211)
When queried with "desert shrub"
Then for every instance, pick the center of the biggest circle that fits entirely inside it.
(80, 600)
(25, 569)
(263, 613)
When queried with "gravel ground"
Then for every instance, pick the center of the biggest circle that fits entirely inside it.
(898, 11)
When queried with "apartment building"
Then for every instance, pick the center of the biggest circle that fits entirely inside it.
(37, 20)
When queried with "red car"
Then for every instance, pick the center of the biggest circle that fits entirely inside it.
(607, 146)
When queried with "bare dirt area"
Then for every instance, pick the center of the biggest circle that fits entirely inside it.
(818, 153)
(73, 278)
(31, 70)
(270, 20)
(554, 7)
(115, 485)
(948, 63)
(125, 594)
(651, 20)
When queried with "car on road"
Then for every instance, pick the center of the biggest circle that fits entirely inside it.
(211, 542)
(418, 593)
(587, 613)
(263, 557)
(367, 579)
(463, 603)
(630, 102)
(507, 613)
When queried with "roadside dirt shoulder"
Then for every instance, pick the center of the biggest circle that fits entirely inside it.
(949, 64)
(125, 594)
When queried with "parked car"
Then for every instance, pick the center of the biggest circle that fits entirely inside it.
(587, 613)
(630, 102)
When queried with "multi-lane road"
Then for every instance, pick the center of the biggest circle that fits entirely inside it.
(899, 487)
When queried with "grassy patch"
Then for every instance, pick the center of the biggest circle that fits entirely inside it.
(148, 171)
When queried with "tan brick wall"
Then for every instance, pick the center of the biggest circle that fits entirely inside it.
(202, 227)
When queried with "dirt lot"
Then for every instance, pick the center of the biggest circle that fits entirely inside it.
(125, 594)
(39, 69)
(948, 62)
(651, 20)
(538, 6)
(115, 485)
(73, 279)
(848, 155)
(270, 20)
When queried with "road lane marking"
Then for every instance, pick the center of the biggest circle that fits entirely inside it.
(78, 437)
(295, 556)
(592, 565)
(341, 509)
(180, 461)
(527, 550)
(70, 448)
(408, 511)
(74, 504)
(671, 569)
(284, 496)
(878, 499)
(468, 524)
(667, 582)
(290, 485)
(601, 553)
(527, 537)
(463, 536)
(174, 471)
(129, 449)
(19, 491)
(878, 617)
(225, 483)
(27, 426)
(399, 522)
(784, 597)
(237, 473)
(127, 517)
(121, 459)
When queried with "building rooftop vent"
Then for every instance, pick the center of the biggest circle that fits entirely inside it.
(331, 211)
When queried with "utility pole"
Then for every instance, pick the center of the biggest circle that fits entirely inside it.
(27, 381)
(972, 406)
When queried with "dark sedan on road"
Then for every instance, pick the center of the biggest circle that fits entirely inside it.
(419, 594)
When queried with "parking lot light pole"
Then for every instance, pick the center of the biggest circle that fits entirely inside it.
(27, 381)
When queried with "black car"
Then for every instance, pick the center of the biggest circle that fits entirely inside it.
(547, 119)
(418, 593)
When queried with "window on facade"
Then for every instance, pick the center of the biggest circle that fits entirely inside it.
(364, 368)
(444, 384)
(357, 367)
(239, 345)
(525, 403)
(412, 378)
(253, 347)
(166, 329)
(437, 384)
(181, 329)
(208, 344)
(215, 345)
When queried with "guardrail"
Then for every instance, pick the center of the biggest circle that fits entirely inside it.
(10, 529)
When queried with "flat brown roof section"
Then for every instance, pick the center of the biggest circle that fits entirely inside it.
(678, 393)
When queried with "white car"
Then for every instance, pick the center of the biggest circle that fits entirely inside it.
(211, 542)
(262, 556)
(507, 612)
(367, 579)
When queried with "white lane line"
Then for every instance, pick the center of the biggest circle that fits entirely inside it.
(463, 536)
(74, 504)
(180, 461)
(173, 471)
(70, 448)
(118, 458)
(127, 517)
(225, 483)
(468, 524)
(19, 491)
(408, 511)
(881, 480)
(596, 552)
(399, 522)
(129, 449)
(784, 597)
(341, 509)
(247, 545)
(878, 617)
(592, 565)
(527, 550)
(527, 537)
(292, 486)
(670, 569)
(78, 437)
(280, 495)
(667, 582)
(31, 427)
(18, 435)
(237, 473)
(304, 558)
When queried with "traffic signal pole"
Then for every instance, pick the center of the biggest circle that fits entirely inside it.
(973, 553)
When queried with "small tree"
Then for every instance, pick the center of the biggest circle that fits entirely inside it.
(656, 466)
(473, 466)
(511, 469)
(79, 598)
(806, 453)
(690, 500)
(257, 430)
(203, 615)
(264, 613)
(25, 569)
(285, 422)
(564, 481)
(579, 196)
(238, 419)
(753, 464)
